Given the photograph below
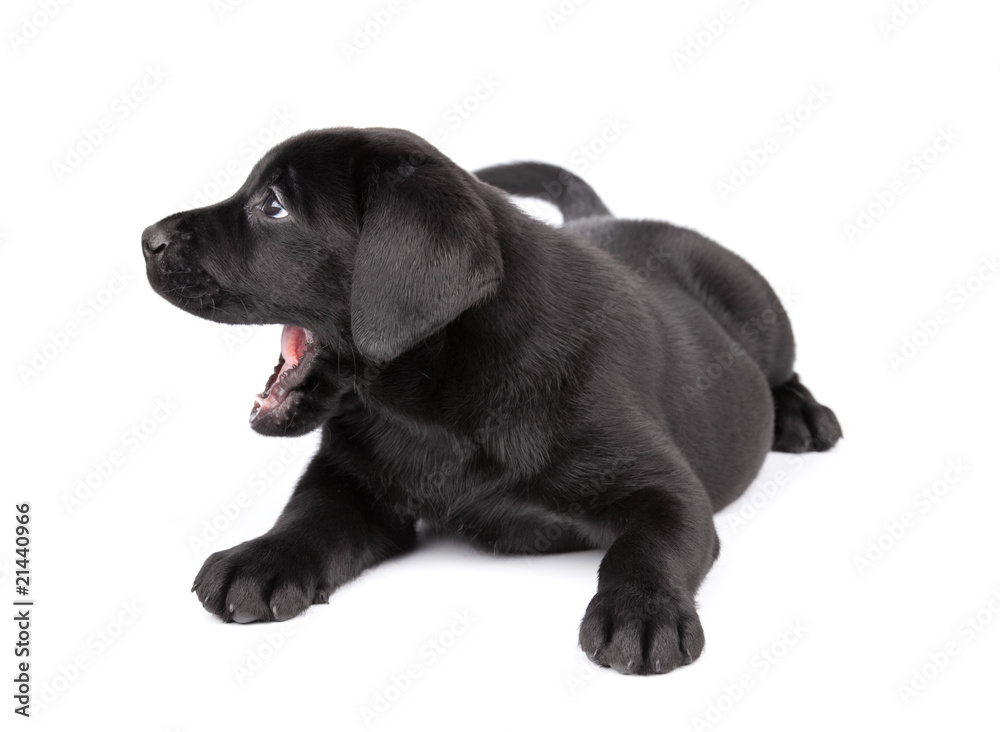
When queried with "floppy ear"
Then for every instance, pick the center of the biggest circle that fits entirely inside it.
(427, 252)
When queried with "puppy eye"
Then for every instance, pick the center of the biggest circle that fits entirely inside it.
(273, 208)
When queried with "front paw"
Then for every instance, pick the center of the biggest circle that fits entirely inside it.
(268, 578)
(640, 630)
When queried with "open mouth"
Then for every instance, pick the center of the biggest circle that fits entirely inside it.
(298, 351)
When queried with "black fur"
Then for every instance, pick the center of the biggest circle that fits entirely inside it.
(607, 384)
(574, 198)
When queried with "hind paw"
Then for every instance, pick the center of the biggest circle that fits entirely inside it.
(801, 424)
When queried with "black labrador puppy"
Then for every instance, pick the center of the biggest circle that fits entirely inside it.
(606, 384)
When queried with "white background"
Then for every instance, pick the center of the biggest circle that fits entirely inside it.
(558, 83)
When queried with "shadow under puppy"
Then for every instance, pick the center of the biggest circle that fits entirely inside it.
(605, 384)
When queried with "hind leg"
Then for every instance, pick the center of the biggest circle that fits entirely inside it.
(801, 424)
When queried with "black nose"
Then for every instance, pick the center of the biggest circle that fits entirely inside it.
(154, 240)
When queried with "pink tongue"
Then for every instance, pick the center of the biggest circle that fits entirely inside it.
(293, 344)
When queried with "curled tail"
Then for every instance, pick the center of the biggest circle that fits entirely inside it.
(570, 194)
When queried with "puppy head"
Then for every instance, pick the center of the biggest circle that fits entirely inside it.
(361, 242)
